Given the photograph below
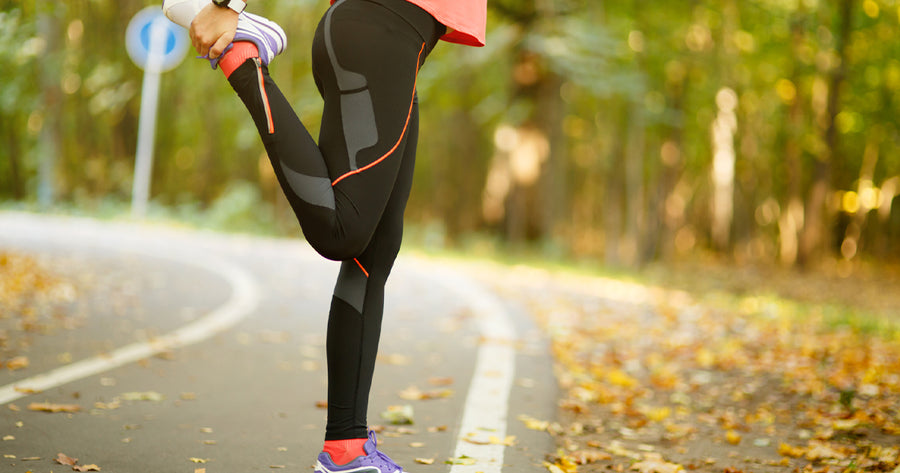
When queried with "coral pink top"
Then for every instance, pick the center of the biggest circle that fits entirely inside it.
(466, 19)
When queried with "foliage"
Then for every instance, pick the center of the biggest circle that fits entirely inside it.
(624, 97)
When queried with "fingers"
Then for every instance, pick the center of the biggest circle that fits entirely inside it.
(198, 40)
(219, 46)
(212, 30)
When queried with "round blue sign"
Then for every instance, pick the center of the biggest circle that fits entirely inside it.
(151, 32)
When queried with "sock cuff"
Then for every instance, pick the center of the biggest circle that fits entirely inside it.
(237, 55)
(344, 451)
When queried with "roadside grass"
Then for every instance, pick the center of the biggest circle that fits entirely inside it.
(836, 295)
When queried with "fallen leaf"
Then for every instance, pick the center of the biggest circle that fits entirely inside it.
(564, 465)
(322, 404)
(17, 363)
(108, 405)
(534, 424)
(416, 444)
(26, 390)
(198, 460)
(398, 415)
(461, 460)
(616, 448)
(8, 437)
(64, 459)
(583, 457)
(656, 466)
(509, 441)
(50, 407)
(440, 381)
(143, 396)
(425, 461)
(199, 470)
(787, 450)
(277, 467)
(732, 437)
(90, 467)
(413, 393)
(823, 451)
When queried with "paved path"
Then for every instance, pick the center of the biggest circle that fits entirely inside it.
(230, 332)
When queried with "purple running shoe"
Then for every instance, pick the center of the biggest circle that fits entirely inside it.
(373, 462)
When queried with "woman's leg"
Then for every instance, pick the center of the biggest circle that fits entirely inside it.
(354, 324)
(366, 59)
(350, 190)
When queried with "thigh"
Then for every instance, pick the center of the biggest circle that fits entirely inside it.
(366, 60)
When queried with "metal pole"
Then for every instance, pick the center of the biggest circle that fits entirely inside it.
(147, 121)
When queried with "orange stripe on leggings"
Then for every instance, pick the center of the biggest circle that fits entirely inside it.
(402, 134)
(361, 267)
(265, 98)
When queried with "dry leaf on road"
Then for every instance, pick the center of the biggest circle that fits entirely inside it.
(64, 459)
(51, 407)
(90, 467)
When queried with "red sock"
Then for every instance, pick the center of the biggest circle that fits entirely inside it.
(240, 52)
(344, 451)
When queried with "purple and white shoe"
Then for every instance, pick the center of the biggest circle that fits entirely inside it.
(373, 462)
(268, 37)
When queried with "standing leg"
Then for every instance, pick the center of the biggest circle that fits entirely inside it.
(354, 324)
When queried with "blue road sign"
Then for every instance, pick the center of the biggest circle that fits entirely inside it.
(171, 42)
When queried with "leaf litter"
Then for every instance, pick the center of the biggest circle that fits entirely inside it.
(708, 387)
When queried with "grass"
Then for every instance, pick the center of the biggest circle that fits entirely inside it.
(864, 299)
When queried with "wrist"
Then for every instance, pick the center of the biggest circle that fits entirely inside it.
(236, 5)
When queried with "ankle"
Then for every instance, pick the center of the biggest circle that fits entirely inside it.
(344, 451)
(239, 53)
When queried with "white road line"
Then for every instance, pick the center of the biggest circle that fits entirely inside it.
(487, 403)
(244, 299)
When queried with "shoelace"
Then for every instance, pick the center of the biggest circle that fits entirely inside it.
(387, 462)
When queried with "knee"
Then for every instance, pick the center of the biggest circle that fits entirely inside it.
(340, 249)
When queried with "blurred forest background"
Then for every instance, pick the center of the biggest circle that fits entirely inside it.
(628, 131)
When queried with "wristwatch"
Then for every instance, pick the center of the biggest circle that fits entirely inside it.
(236, 5)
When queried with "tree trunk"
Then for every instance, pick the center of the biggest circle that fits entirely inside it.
(791, 219)
(815, 236)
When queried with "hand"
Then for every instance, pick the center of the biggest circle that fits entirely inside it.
(213, 30)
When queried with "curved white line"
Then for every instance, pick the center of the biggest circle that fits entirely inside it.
(487, 403)
(244, 299)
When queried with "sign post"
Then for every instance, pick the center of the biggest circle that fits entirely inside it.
(156, 45)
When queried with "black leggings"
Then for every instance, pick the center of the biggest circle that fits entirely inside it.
(349, 191)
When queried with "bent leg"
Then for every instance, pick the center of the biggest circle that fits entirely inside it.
(366, 59)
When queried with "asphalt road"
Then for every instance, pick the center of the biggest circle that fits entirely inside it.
(221, 340)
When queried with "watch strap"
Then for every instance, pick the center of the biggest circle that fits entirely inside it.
(237, 5)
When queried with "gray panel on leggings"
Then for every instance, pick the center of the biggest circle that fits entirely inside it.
(351, 285)
(314, 190)
(359, 123)
(347, 80)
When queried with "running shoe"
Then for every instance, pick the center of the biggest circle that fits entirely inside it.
(268, 37)
(373, 462)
